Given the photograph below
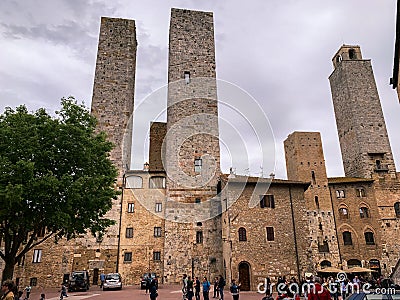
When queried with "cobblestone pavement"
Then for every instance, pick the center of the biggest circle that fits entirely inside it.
(166, 292)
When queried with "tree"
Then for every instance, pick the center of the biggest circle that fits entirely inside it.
(55, 177)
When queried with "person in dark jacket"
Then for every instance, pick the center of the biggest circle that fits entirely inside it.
(153, 292)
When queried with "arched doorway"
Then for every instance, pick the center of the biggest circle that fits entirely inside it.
(325, 263)
(244, 276)
(353, 263)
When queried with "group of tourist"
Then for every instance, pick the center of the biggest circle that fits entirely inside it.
(10, 291)
(191, 288)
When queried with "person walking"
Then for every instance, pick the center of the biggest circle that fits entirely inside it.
(7, 287)
(197, 288)
(234, 289)
(148, 283)
(216, 291)
(189, 288)
(153, 292)
(221, 285)
(206, 288)
(102, 279)
(28, 291)
(184, 286)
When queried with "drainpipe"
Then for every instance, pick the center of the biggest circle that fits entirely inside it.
(120, 223)
(294, 234)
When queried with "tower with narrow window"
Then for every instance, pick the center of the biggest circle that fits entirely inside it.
(192, 156)
(305, 162)
(363, 137)
(112, 104)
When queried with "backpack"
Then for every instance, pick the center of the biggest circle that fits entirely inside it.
(234, 289)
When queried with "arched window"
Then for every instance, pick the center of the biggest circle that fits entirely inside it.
(347, 238)
(364, 212)
(360, 192)
(369, 238)
(242, 234)
(316, 202)
(397, 209)
(134, 182)
(325, 264)
(353, 263)
(343, 213)
(157, 182)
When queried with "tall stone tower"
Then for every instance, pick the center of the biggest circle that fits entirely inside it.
(363, 138)
(114, 86)
(305, 162)
(193, 242)
(112, 104)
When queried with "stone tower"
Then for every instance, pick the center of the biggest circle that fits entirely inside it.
(305, 162)
(112, 104)
(192, 232)
(114, 87)
(363, 138)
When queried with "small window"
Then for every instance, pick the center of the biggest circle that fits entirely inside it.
(352, 54)
(199, 237)
(41, 232)
(313, 181)
(397, 209)
(131, 207)
(197, 200)
(186, 76)
(33, 281)
(158, 207)
(360, 192)
(270, 234)
(343, 213)
(316, 202)
(267, 201)
(323, 247)
(128, 256)
(157, 231)
(378, 164)
(37, 256)
(242, 234)
(157, 255)
(340, 194)
(129, 232)
(369, 238)
(157, 182)
(197, 165)
(347, 238)
(364, 212)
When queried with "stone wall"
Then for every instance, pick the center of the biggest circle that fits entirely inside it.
(158, 131)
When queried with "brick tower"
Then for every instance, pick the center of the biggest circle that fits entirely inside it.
(363, 138)
(112, 104)
(114, 86)
(193, 242)
(305, 162)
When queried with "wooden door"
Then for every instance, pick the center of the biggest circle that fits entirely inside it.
(244, 276)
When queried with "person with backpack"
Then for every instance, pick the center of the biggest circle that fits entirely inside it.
(234, 289)
(221, 285)
(206, 288)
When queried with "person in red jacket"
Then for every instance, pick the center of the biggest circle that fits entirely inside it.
(318, 292)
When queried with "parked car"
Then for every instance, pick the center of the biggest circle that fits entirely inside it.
(78, 281)
(112, 281)
(143, 282)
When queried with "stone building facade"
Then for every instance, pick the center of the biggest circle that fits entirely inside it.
(180, 214)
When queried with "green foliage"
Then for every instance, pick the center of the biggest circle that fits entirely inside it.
(55, 174)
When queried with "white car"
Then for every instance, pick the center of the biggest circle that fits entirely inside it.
(112, 281)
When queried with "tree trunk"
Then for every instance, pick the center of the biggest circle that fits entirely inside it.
(8, 270)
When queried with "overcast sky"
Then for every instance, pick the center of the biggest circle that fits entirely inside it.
(277, 51)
